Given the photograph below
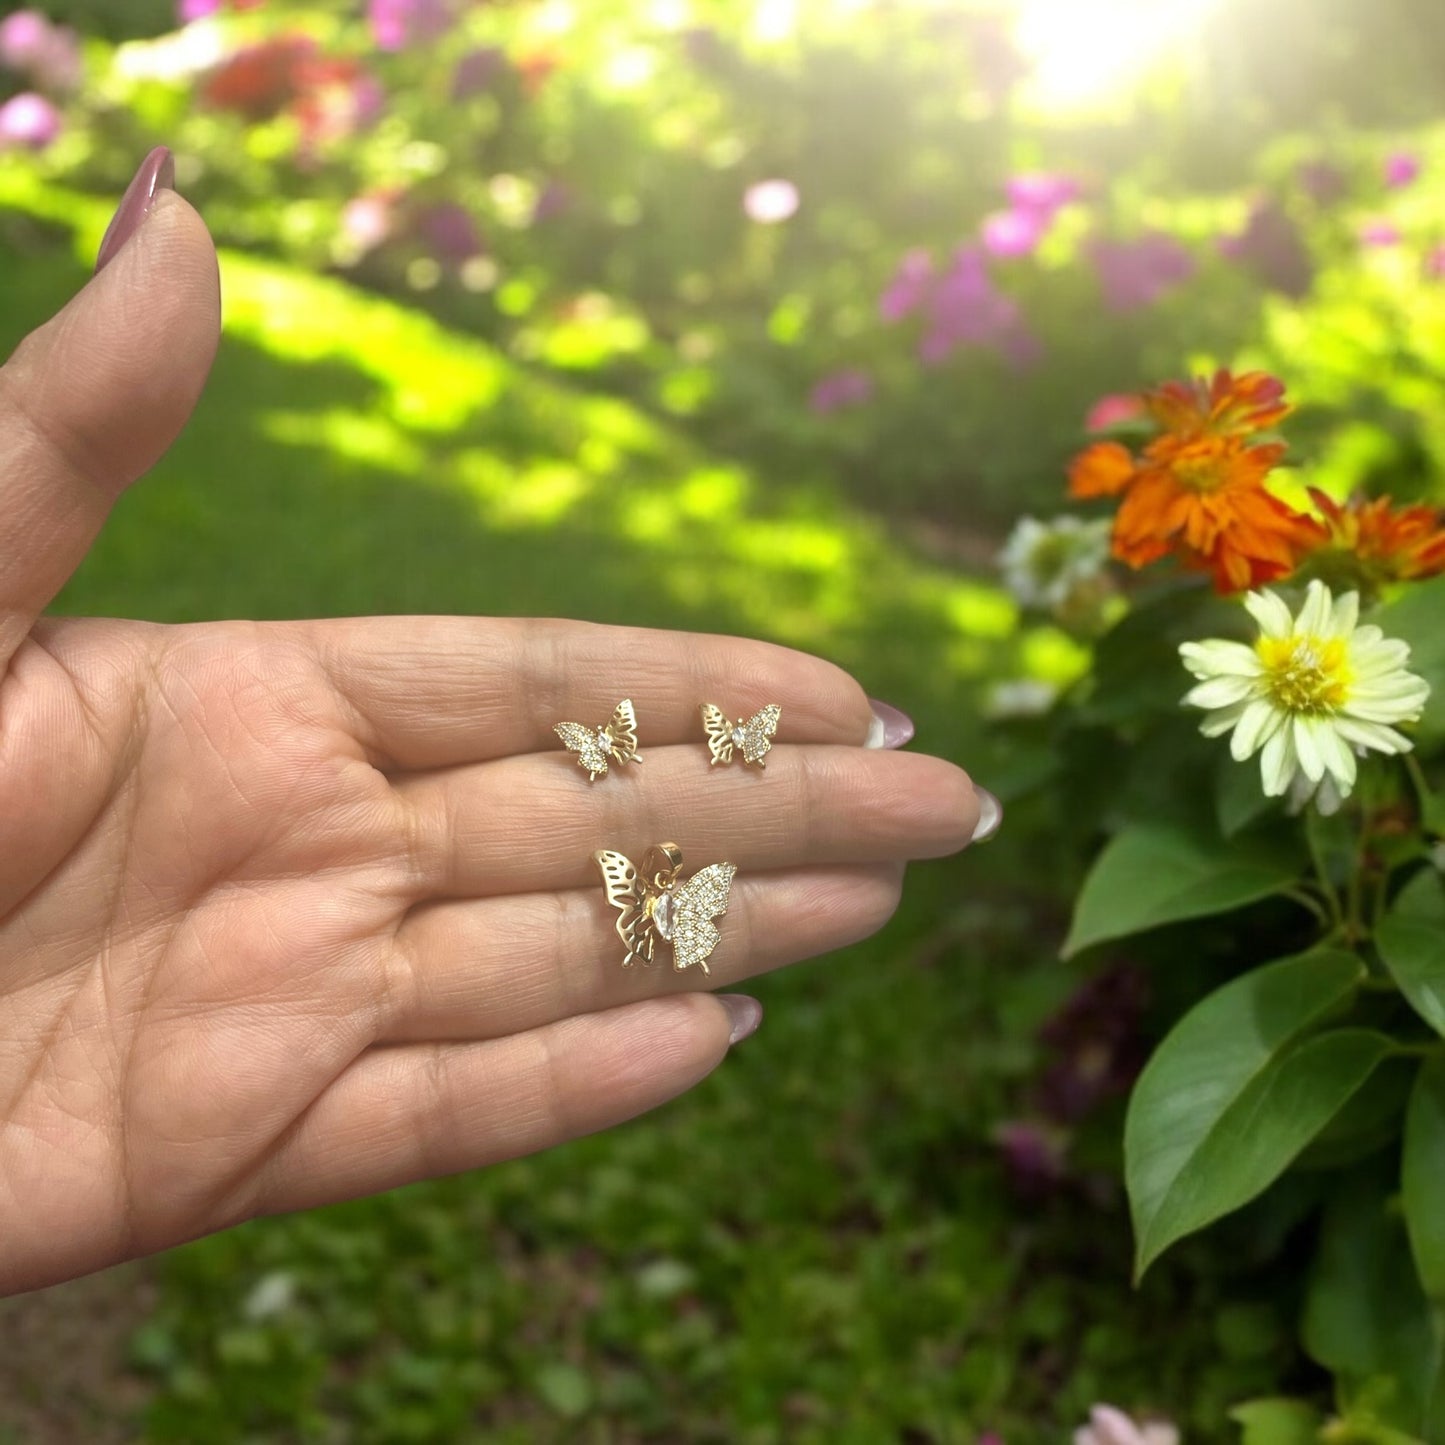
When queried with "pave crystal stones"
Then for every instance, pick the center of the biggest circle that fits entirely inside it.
(750, 737)
(653, 904)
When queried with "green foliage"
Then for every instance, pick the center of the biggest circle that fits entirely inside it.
(1152, 874)
(1237, 1090)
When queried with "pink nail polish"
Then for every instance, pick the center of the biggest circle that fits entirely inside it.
(744, 1013)
(157, 173)
(891, 728)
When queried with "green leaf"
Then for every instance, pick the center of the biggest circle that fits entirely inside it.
(1422, 1171)
(1366, 1318)
(1239, 796)
(1155, 873)
(1411, 941)
(1137, 671)
(1278, 1422)
(1414, 617)
(565, 1388)
(1208, 1126)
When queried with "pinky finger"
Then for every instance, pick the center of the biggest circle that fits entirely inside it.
(418, 1111)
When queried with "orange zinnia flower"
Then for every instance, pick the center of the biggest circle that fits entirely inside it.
(1201, 498)
(1227, 406)
(1388, 544)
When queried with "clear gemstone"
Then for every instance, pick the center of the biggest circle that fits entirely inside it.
(738, 736)
(662, 916)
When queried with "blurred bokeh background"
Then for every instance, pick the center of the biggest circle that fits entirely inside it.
(767, 316)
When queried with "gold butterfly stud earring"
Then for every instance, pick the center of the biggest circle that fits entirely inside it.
(752, 737)
(593, 746)
(655, 905)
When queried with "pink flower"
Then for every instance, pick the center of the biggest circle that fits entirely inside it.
(840, 389)
(1108, 1426)
(1135, 274)
(911, 283)
(1401, 169)
(1379, 232)
(1014, 233)
(30, 120)
(395, 24)
(1435, 263)
(48, 54)
(768, 202)
(366, 221)
(189, 10)
(1042, 191)
(1109, 411)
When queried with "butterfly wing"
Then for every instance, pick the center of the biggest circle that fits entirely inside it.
(694, 905)
(625, 893)
(719, 733)
(758, 734)
(591, 754)
(623, 732)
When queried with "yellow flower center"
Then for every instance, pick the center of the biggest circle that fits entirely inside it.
(1305, 674)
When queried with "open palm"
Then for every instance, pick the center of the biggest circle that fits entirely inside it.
(296, 911)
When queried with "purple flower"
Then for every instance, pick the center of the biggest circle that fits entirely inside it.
(768, 202)
(395, 24)
(48, 54)
(189, 10)
(478, 70)
(1015, 232)
(910, 284)
(28, 119)
(1402, 168)
(849, 387)
(965, 308)
(1135, 274)
(1323, 183)
(1033, 1155)
(1380, 233)
(450, 232)
(553, 200)
(1272, 247)
(1042, 191)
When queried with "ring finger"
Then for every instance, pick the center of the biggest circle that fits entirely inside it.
(491, 967)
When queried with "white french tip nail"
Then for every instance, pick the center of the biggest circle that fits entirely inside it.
(876, 732)
(990, 815)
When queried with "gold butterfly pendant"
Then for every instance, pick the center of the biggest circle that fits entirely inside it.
(655, 905)
(753, 737)
(593, 746)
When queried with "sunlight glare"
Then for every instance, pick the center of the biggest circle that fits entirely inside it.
(1086, 51)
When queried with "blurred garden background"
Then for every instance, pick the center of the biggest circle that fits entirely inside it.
(768, 316)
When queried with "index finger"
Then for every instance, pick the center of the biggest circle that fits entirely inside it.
(429, 692)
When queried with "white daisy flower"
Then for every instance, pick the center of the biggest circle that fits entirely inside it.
(1310, 694)
(1046, 564)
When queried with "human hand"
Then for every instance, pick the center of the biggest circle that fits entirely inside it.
(295, 912)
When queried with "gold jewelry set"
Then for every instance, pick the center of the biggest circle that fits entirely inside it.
(653, 904)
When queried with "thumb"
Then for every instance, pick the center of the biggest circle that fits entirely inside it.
(92, 400)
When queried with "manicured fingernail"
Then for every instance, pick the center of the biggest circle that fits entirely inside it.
(889, 728)
(746, 1014)
(990, 815)
(157, 173)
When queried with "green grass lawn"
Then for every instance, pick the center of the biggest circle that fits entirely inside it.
(818, 1244)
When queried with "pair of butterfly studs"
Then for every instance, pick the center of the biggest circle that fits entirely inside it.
(616, 741)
